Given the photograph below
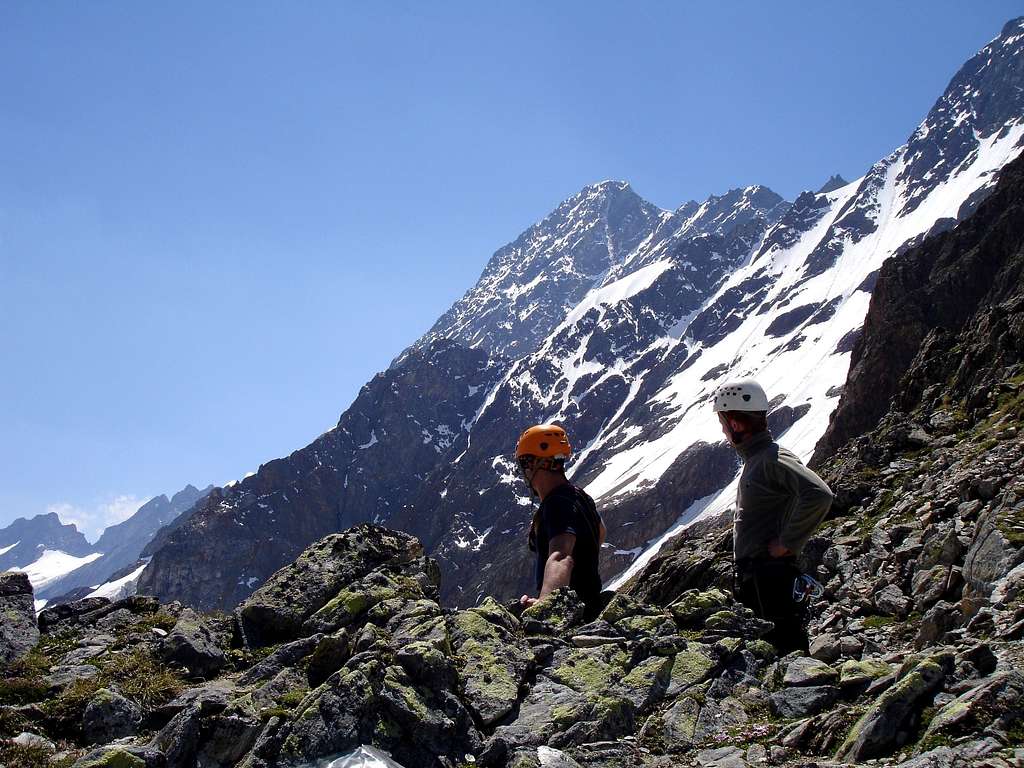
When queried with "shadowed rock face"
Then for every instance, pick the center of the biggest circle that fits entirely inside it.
(18, 631)
(957, 293)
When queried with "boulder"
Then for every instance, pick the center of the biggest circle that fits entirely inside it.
(18, 630)
(123, 756)
(989, 558)
(287, 655)
(492, 662)
(877, 733)
(555, 614)
(194, 644)
(109, 716)
(803, 701)
(892, 602)
(277, 611)
(940, 619)
(856, 674)
(807, 671)
(995, 706)
(825, 648)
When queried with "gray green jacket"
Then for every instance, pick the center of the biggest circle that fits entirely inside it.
(778, 498)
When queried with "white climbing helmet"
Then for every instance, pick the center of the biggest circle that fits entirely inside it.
(741, 395)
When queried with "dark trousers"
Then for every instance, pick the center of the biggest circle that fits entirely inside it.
(766, 587)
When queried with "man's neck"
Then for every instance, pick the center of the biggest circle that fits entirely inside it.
(548, 482)
(752, 443)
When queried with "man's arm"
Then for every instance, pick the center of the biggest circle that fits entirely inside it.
(811, 500)
(558, 568)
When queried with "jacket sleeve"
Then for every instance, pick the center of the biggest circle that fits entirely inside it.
(810, 500)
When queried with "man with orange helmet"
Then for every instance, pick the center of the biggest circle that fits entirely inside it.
(567, 532)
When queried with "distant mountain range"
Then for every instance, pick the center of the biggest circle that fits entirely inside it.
(616, 319)
(59, 559)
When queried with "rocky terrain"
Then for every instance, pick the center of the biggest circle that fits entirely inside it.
(916, 657)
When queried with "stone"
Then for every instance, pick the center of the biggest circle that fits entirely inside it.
(287, 655)
(555, 614)
(802, 701)
(65, 615)
(989, 558)
(929, 586)
(194, 644)
(807, 671)
(227, 739)
(851, 646)
(722, 757)
(891, 601)
(34, 741)
(179, 739)
(123, 756)
(109, 716)
(940, 619)
(854, 674)
(825, 648)
(876, 733)
(278, 609)
(491, 661)
(995, 704)
(19, 632)
(61, 677)
(694, 606)
(328, 656)
(690, 667)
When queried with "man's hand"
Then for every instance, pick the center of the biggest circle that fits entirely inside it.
(775, 549)
(526, 601)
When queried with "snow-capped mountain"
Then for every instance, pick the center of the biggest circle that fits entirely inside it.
(60, 561)
(24, 541)
(120, 545)
(617, 319)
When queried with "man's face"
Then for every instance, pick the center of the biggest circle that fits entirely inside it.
(527, 470)
(728, 428)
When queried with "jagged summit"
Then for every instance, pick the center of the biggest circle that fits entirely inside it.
(834, 182)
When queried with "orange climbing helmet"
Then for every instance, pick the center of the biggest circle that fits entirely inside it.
(544, 446)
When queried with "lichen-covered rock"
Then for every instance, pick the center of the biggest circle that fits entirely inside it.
(109, 716)
(288, 654)
(492, 659)
(855, 673)
(994, 706)
(876, 733)
(555, 614)
(123, 756)
(694, 606)
(277, 610)
(18, 630)
(356, 599)
(195, 645)
(807, 671)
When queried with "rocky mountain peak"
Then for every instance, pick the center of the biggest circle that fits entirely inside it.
(26, 538)
(983, 101)
(834, 182)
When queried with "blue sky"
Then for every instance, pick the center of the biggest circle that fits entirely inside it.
(217, 221)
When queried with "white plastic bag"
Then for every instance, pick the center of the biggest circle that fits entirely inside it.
(362, 757)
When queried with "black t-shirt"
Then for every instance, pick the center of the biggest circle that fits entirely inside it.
(568, 509)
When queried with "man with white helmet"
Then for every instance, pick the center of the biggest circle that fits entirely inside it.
(779, 504)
